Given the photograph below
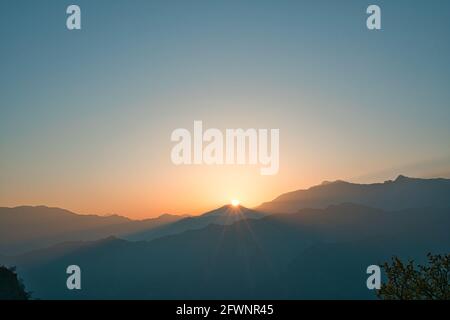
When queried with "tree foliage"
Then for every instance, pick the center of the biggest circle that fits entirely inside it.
(406, 281)
(11, 287)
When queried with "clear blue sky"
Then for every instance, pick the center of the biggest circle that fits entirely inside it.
(86, 116)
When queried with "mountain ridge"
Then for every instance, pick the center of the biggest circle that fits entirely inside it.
(24, 228)
(276, 256)
(403, 192)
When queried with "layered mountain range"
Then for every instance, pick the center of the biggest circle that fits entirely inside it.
(314, 243)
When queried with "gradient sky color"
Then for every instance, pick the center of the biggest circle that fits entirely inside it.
(86, 116)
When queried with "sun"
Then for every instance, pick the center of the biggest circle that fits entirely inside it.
(235, 203)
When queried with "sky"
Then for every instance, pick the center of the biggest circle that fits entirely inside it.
(86, 116)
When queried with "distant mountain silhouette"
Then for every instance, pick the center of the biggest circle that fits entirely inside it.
(402, 193)
(26, 227)
(224, 215)
(314, 253)
(316, 244)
